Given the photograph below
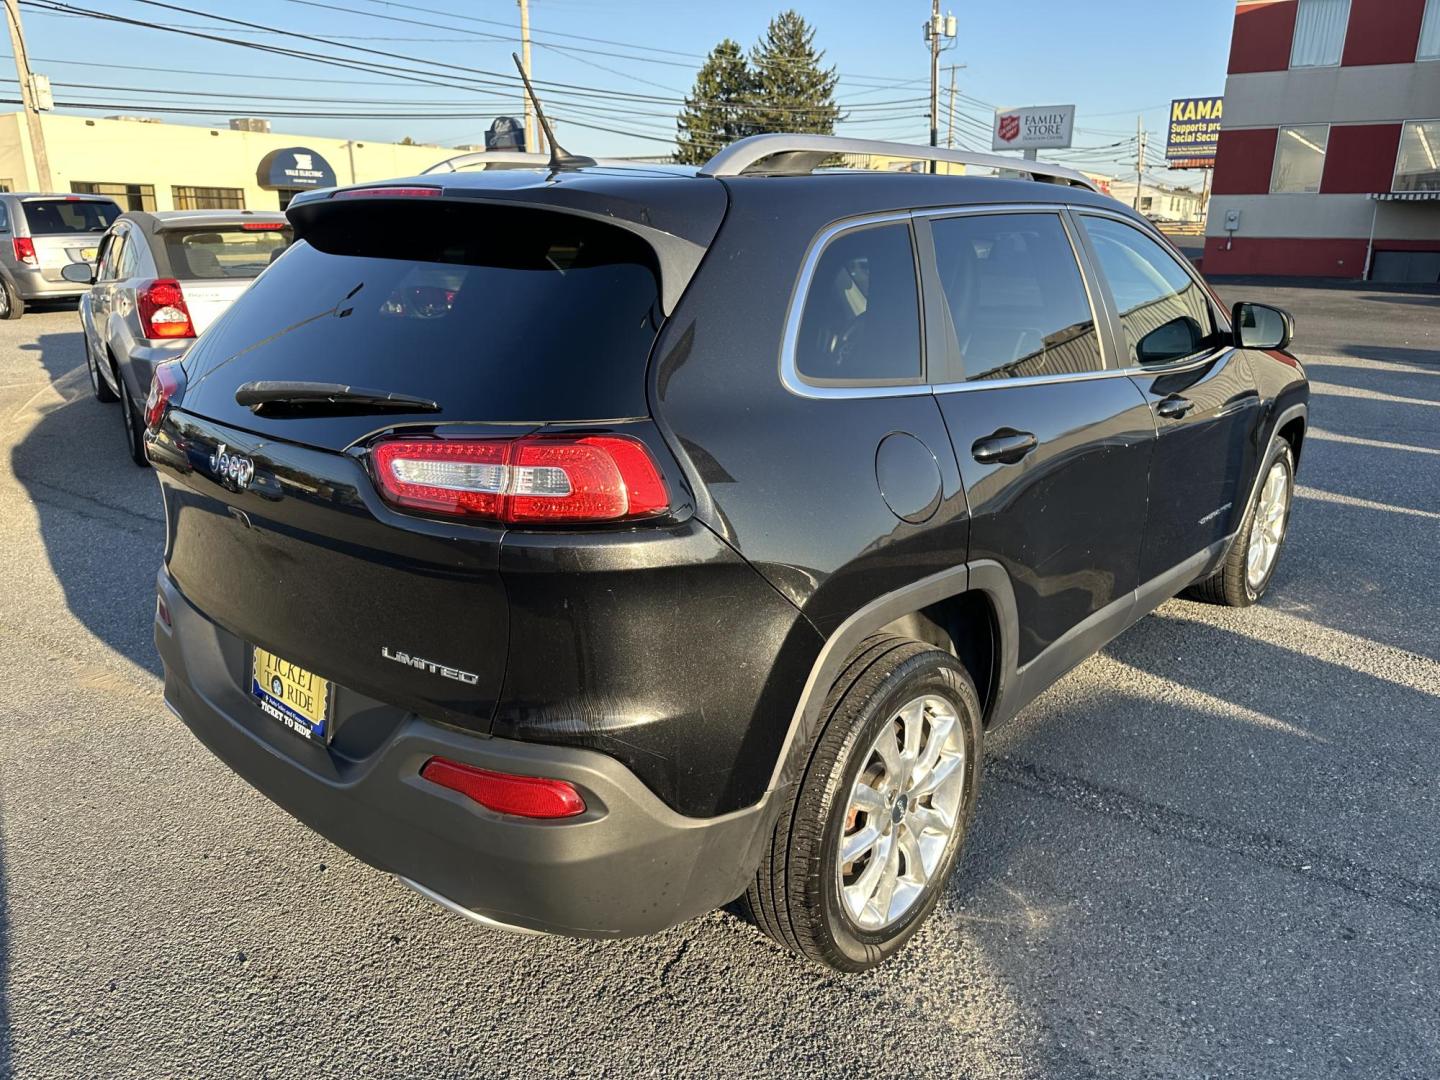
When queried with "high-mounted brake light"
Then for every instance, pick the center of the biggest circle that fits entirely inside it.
(163, 313)
(535, 479)
(385, 192)
(165, 387)
(262, 226)
(521, 796)
(25, 251)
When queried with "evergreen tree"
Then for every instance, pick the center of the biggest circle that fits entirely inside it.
(792, 92)
(715, 110)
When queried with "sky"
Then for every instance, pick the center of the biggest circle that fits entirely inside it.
(445, 68)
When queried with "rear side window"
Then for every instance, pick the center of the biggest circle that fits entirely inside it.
(1164, 312)
(861, 321)
(1016, 300)
(223, 253)
(502, 314)
(50, 217)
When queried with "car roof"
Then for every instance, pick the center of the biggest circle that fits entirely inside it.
(68, 196)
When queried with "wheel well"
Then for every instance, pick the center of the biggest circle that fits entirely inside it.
(965, 626)
(1294, 434)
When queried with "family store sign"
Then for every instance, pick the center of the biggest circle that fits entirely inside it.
(1034, 127)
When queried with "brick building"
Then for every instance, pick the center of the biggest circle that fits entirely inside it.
(1329, 154)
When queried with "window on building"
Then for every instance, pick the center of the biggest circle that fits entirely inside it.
(129, 196)
(1299, 158)
(862, 315)
(1164, 313)
(1319, 33)
(1418, 166)
(7, 185)
(1016, 301)
(208, 198)
(1430, 32)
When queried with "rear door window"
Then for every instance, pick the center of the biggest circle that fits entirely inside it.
(1015, 297)
(1164, 312)
(55, 217)
(861, 321)
(509, 315)
(223, 252)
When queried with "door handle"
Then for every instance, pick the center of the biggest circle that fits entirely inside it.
(1174, 407)
(1006, 447)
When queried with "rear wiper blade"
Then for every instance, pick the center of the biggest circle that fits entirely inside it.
(278, 397)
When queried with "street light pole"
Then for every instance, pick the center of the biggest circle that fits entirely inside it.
(934, 35)
(534, 139)
(27, 95)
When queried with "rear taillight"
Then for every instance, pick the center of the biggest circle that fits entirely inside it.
(163, 313)
(165, 387)
(536, 479)
(391, 192)
(25, 251)
(522, 796)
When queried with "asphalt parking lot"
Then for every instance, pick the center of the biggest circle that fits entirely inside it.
(1210, 851)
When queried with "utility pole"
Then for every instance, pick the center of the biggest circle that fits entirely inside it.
(937, 30)
(27, 95)
(950, 130)
(1139, 158)
(534, 138)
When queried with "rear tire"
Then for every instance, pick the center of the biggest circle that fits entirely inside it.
(1250, 564)
(11, 306)
(134, 425)
(911, 798)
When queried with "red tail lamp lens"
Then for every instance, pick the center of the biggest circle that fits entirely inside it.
(520, 796)
(164, 387)
(25, 250)
(537, 479)
(163, 313)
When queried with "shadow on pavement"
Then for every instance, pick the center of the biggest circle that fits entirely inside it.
(1427, 358)
(99, 515)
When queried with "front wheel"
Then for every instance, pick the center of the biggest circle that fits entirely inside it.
(862, 850)
(1246, 572)
(98, 386)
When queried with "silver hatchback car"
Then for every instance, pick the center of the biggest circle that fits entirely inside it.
(40, 235)
(160, 280)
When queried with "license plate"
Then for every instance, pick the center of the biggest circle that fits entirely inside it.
(287, 692)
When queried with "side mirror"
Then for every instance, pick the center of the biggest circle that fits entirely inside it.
(79, 272)
(1179, 337)
(1260, 326)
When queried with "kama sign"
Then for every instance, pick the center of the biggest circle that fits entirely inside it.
(1194, 132)
(1034, 127)
(294, 167)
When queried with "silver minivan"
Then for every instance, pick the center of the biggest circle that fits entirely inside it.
(42, 234)
(160, 280)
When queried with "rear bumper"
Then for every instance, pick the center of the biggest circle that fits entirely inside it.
(628, 865)
(31, 284)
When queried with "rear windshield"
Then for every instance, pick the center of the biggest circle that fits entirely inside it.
(223, 253)
(51, 217)
(498, 315)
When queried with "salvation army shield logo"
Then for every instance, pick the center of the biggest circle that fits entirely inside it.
(1008, 127)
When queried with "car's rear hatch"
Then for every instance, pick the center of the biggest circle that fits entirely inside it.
(66, 229)
(508, 318)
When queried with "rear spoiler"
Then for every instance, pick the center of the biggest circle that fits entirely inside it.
(678, 257)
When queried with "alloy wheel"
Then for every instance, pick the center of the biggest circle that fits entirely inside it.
(902, 812)
(1268, 528)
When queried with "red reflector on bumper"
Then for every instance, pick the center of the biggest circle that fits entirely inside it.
(522, 796)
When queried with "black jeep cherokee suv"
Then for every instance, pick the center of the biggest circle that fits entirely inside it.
(594, 547)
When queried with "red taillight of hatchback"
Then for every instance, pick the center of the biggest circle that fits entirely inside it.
(162, 309)
(520, 796)
(538, 479)
(25, 251)
(165, 387)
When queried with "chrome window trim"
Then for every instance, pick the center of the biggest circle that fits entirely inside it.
(796, 384)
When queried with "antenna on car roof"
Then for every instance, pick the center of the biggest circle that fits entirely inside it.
(560, 158)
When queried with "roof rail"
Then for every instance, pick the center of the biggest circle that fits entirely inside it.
(491, 159)
(796, 155)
